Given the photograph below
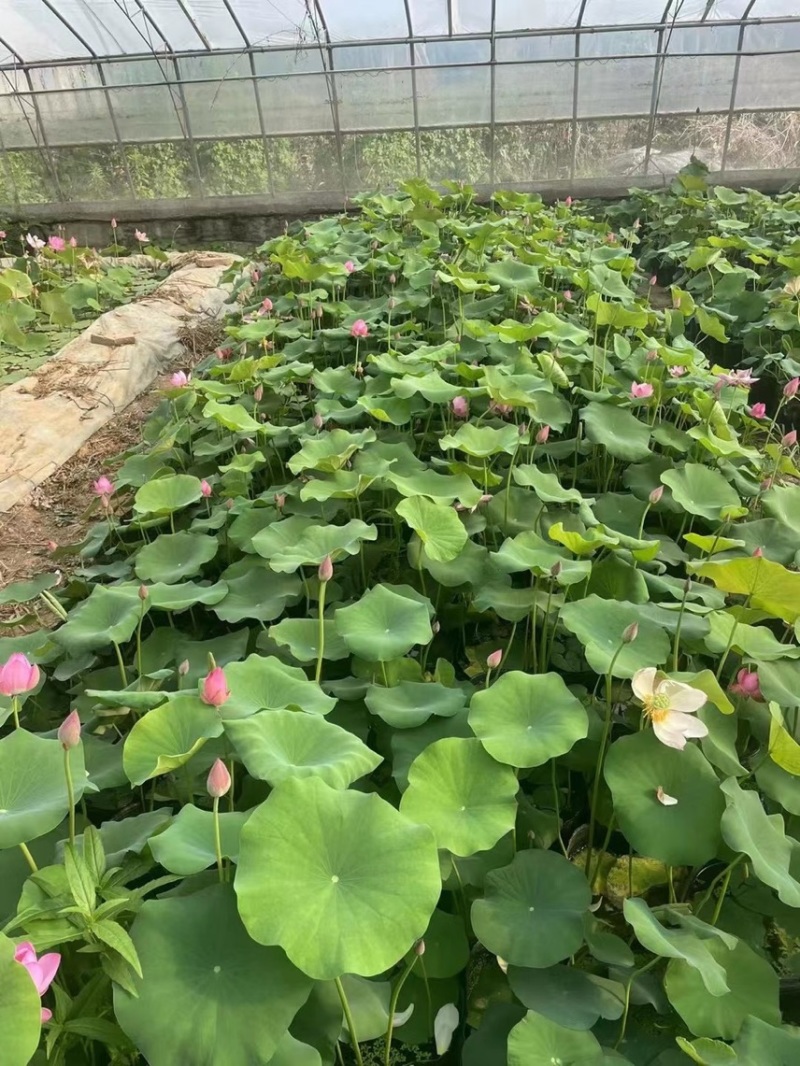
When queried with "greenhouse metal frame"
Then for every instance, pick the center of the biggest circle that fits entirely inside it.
(520, 76)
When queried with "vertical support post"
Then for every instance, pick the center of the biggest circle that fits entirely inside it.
(492, 91)
(575, 88)
(414, 99)
(330, 79)
(658, 78)
(734, 86)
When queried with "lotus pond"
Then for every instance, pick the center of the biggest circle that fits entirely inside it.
(427, 688)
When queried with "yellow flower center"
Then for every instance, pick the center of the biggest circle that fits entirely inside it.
(656, 707)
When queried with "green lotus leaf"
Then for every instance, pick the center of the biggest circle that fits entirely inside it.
(194, 951)
(599, 624)
(614, 579)
(261, 683)
(187, 844)
(438, 527)
(467, 799)
(168, 736)
(315, 543)
(276, 745)
(756, 642)
(185, 595)
(707, 1052)
(275, 536)
(20, 1007)
(128, 835)
(301, 636)
(446, 945)
(174, 556)
(701, 490)
(292, 1052)
(406, 744)
(687, 832)
(411, 703)
(546, 485)
(525, 719)
(232, 416)
(431, 385)
(528, 551)
(780, 682)
(567, 995)
(329, 451)
(583, 543)
(691, 941)
(33, 786)
(341, 485)
(783, 503)
(532, 912)
(442, 488)
(489, 1043)
(481, 442)
(25, 591)
(758, 1042)
(108, 615)
(256, 591)
(511, 274)
(383, 624)
(767, 585)
(249, 522)
(621, 433)
(166, 495)
(753, 992)
(746, 827)
(320, 869)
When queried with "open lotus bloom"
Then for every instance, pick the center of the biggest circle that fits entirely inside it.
(42, 970)
(669, 705)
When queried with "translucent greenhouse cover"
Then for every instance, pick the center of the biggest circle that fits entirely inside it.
(343, 94)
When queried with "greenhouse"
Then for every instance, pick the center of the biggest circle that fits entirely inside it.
(399, 533)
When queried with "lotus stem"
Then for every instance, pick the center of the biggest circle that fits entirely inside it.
(122, 672)
(600, 761)
(218, 841)
(323, 585)
(70, 796)
(348, 1016)
(29, 858)
(15, 710)
(393, 1006)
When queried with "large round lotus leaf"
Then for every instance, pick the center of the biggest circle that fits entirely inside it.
(276, 536)
(761, 1043)
(446, 945)
(292, 1052)
(168, 736)
(266, 683)
(406, 744)
(567, 995)
(538, 1041)
(489, 1043)
(187, 594)
(276, 745)
(301, 636)
(621, 433)
(701, 490)
(526, 719)
(209, 994)
(383, 625)
(33, 787)
(167, 494)
(482, 441)
(174, 556)
(109, 614)
(467, 798)
(187, 844)
(254, 591)
(321, 871)
(317, 542)
(686, 833)
(329, 451)
(754, 989)
(20, 1008)
(599, 624)
(437, 526)
(528, 551)
(533, 911)
(411, 703)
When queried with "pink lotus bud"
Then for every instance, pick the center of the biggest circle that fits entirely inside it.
(791, 387)
(183, 668)
(266, 305)
(460, 406)
(391, 303)
(143, 593)
(205, 488)
(18, 675)
(179, 379)
(522, 429)
(326, 569)
(656, 494)
(258, 393)
(677, 371)
(51, 545)
(494, 660)
(419, 947)
(3, 234)
(758, 553)
(280, 500)
(103, 487)
(568, 201)
(113, 223)
(758, 410)
(641, 390)
(349, 266)
(653, 281)
(788, 440)
(224, 354)
(651, 357)
(630, 633)
(215, 690)
(319, 421)
(219, 780)
(359, 328)
(567, 294)
(556, 568)
(746, 684)
(69, 732)
(73, 242)
(255, 276)
(542, 435)
(392, 279)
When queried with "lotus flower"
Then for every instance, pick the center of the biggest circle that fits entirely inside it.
(205, 488)
(215, 689)
(3, 234)
(69, 732)
(460, 406)
(42, 970)
(266, 305)
(746, 684)
(739, 379)
(18, 675)
(58, 244)
(758, 410)
(669, 705)
(641, 390)
(219, 780)
(677, 371)
(35, 242)
(140, 236)
(359, 328)
(179, 379)
(788, 440)
(349, 266)
(103, 487)
(280, 500)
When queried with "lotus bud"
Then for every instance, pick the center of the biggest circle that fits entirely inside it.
(392, 279)
(326, 569)
(69, 732)
(656, 494)
(51, 545)
(758, 553)
(791, 387)
(630, 633)
(494, 660)
(788, 440)
(653, 281)
(18, 675)
(522, 429)
(435, 628)
(542, 435)
(205, 488)
(391, 303)
(258, 393)
(229, 504)
(183, 668)
(215, 689)
(143, 592)
(319, 421)
(555, 569)
(219, 780)
(419, 947)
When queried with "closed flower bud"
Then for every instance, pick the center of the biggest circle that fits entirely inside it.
(791, 387)
(183, 668)
(494, 660)
(205, 488)
(69, 732)
(258, 393)
(630, 633)
(419, 947)
(542, 435)
(326, 569)
(219, 780)
(555, 569)
(143, 593)
(215, 690)
(758, 553)
(788, 440)
(656, 494)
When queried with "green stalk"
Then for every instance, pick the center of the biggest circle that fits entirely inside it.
(123, 675)
(218, 840)
(70, 796)
(601, 758)
(636, 973)
(323, 585)
(392, 1006)
(15, 710)
(348, 1016)
(677, 643)
(29, 858)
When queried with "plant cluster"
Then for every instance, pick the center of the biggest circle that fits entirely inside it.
(432, 676)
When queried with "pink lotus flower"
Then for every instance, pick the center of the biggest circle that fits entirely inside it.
(326, 569)
(255, 276)
(502, 409)
(740, 379)
(460, 406)
(788, 440)
(746, 684)
(103, 487)
(542, 435)
(641, 390)
(669, 705)
(179, 379)
(42, 970)
(73, 242)
(140, 236)
(205, 488)
(758, 410)
(652, 356)
(567, 294)
(58, 244)
(219, 780)
(568, 201)
(790, 388)
(224, 354)
(18, 675)
(677, 371)
(2, 234)
(35, 242)
(359, 328)
(494, 660)
(266, 305)
(349, 266)
(215, 689)
(113, 223)
(69, 732)
(758, 553)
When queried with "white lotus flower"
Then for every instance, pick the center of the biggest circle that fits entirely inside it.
(444, 1025)
(669, 705)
